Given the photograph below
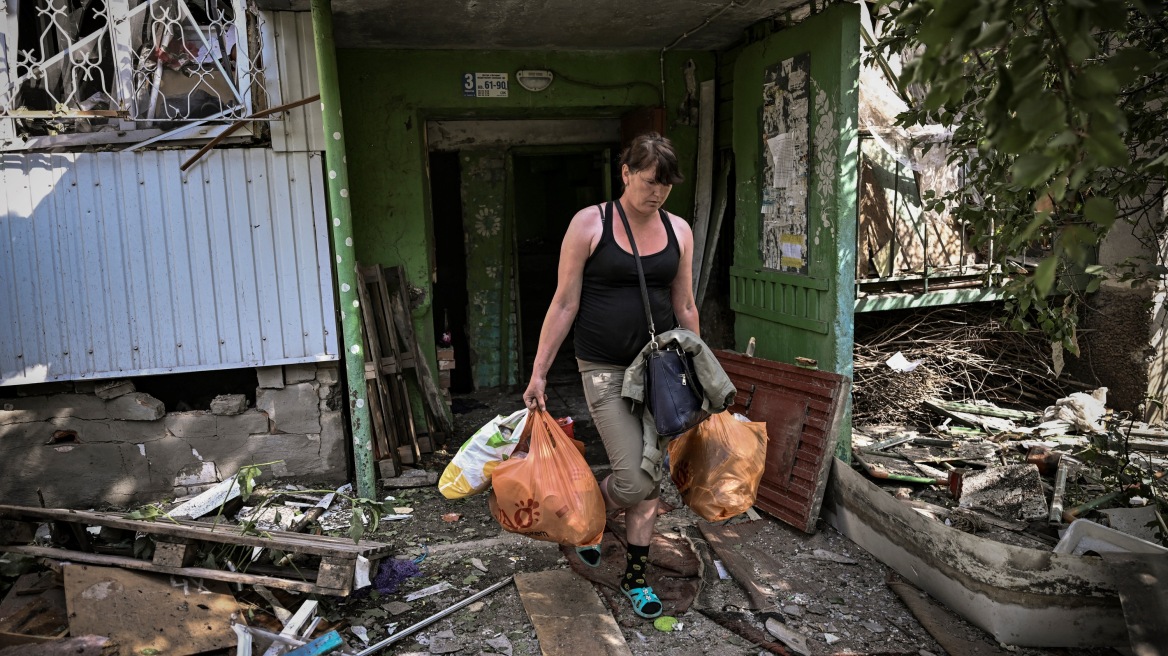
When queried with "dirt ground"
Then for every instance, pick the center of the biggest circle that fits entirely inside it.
(814, 597)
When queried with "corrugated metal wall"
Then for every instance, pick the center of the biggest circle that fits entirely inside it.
(290, 55)
(116, 263)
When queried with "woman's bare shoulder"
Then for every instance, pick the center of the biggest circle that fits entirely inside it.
(586, 224)
(680, 226)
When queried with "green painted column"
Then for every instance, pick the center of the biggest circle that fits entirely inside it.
(341, 221)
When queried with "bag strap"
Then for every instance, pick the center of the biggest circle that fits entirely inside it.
(640, 276)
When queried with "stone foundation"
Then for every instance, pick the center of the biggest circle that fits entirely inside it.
(87, 445)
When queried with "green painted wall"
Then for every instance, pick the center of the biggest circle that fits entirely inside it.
(790, 314)
(387, 96)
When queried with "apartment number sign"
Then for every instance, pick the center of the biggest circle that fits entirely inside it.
(484, 85)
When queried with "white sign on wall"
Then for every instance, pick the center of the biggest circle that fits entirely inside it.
(484, 85)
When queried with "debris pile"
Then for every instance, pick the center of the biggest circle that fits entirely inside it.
(1029, 478)
(901, 361)
(229, 569)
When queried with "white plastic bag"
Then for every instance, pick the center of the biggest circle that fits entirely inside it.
(470, 470)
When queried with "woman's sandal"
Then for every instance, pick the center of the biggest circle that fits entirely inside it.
(642, 597)
(590, 556)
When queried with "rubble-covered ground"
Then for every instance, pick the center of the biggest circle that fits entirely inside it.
(829, 591)
(815, 596)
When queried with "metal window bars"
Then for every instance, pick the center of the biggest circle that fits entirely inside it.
(121, 65)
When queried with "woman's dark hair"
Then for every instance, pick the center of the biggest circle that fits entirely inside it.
(651, 150)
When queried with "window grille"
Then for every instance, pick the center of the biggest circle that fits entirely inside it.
(94, 71)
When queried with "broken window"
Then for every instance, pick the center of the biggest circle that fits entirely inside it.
(99, 71)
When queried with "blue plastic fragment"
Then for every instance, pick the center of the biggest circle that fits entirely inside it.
(322, 645)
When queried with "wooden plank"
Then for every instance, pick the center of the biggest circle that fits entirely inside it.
(336, 574)
(568, 616)
(723, 542)
(318, 545)
(173, 554)
(721, 197)
(983, 410)
(385, 436)
(148, 614)
(125, 562)
(430, 390)
(704, 184)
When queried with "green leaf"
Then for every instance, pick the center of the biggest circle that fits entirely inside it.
(1097, 80)
(1093, 285)
(357, 526)
(1044, 275)
(1100, 211)
(1129, 64)
(1108, 147)
(991, 34)
(1033, 168)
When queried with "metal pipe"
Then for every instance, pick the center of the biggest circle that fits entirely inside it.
(433, 618)
(345, 257)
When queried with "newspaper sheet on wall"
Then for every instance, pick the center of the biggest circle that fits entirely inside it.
(786, 136)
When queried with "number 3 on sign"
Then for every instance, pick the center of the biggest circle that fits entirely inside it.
(468, 84)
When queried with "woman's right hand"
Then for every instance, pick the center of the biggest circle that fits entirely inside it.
(534, 397)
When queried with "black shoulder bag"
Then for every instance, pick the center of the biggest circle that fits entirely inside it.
(673, 393)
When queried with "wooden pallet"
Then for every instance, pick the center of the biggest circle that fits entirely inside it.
(392, 354)
(178, 541)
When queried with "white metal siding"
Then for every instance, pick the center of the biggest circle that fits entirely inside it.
(290, 58)
(115, 264)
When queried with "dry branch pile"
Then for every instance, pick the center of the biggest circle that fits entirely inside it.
(967, 354)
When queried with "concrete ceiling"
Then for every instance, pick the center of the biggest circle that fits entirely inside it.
(544, 24)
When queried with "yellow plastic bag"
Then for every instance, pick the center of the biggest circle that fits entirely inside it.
(469, 472)
(549, 494)
(718, 464)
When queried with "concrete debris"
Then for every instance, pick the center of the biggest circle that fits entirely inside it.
(411, 478)
(1013, 492)
(825, 555)
(208, 501)
(500, 644)
(136, 406)
(397, 607)
(112, 389)
(444, 642)
(830, 639)
(361, 632)
(796, 641)
(432, 590)
(1142, 522)
(228, 404)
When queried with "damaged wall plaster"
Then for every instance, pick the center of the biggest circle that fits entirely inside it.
(104, 455)
(794, 315)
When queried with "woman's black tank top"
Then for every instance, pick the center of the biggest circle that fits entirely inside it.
(610, 324)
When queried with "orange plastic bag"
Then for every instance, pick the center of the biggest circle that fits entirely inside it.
(718, 464)
(551, 493)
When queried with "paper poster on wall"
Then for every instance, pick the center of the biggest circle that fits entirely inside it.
(484, 85)
(786, 164)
